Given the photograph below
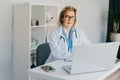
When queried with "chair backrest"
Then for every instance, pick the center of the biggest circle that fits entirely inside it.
(42, 53)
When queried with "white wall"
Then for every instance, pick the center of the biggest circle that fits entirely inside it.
(91, 17)
(5, 40)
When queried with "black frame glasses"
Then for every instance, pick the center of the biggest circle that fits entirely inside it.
(69, 17)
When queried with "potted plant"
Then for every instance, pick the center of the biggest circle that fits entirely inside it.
(115, 16)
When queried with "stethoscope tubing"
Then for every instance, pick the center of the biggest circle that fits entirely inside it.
(61, 37)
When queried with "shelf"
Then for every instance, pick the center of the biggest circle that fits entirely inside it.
(37, 26)
(42, 26)
(39, 20)
(51, 25)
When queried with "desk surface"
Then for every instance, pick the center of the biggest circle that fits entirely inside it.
(60, 74)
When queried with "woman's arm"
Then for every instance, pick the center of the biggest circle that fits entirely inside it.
(57, 50)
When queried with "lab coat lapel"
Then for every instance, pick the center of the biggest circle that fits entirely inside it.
(61, 34)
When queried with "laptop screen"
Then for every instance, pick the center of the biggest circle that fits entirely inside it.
(88, 58)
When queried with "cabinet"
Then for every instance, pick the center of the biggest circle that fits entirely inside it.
(32, 23)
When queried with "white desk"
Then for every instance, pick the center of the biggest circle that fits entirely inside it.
(113, 74)
(60, 74)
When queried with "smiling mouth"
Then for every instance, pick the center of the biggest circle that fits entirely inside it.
(68, 23)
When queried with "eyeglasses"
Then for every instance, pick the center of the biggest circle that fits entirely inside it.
(69, 17)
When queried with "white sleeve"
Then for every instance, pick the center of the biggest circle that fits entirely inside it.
(82, 38)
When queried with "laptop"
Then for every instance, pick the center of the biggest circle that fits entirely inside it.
(93, 58)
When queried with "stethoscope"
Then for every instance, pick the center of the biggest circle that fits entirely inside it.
(61, 37)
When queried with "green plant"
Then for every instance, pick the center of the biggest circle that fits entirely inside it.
(115, 16)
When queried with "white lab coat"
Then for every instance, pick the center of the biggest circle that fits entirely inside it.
(59, 47)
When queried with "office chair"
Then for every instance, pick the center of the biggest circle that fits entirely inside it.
(42, 53)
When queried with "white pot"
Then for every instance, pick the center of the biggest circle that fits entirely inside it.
(115, 37)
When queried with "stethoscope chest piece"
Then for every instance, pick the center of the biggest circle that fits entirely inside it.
(61, 37)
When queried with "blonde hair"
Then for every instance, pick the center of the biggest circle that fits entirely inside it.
(64, 10)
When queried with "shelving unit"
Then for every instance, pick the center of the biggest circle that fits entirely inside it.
(32, 23)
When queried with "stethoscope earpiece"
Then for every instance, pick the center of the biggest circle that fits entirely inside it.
(76, 34)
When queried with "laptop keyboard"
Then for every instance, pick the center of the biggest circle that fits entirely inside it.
(67, 67)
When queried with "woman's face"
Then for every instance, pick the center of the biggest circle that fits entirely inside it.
(69, 19)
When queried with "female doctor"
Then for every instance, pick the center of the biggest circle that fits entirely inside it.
(66, 36)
